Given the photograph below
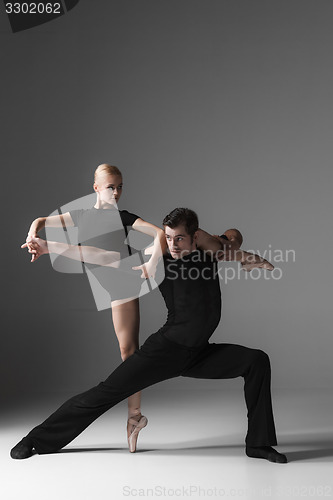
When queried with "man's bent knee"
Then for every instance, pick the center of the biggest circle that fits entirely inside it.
(261, 358)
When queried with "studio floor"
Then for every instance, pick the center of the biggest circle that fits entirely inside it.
(193, 447)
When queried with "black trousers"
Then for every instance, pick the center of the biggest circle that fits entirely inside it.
(161, 359)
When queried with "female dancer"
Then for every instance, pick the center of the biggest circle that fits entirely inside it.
(95, 228)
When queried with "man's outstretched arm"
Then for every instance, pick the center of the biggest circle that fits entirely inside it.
(219, 246)
(227, 248)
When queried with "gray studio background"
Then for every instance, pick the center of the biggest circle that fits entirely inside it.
(224, 106)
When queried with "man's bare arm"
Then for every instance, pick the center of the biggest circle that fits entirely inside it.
(228, 250)
(218, 246)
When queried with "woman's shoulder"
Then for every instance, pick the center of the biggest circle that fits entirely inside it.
(128, 218)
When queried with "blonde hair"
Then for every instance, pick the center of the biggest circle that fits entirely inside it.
(105, 169)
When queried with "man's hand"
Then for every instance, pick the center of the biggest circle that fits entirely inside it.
(148, 270)
(248, 260)
(251, 261)
(36, 246)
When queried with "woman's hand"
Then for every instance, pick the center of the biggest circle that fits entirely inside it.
(148, 270)
(30, 236)
(36, 246)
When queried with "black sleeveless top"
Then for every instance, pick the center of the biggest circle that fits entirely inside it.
(192, 294)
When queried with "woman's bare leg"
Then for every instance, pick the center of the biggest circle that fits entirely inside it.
(126, 322)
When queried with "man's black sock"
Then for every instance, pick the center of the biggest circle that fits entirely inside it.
(23, 449)
(266, 452)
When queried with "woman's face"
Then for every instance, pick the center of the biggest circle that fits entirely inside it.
(109, 188)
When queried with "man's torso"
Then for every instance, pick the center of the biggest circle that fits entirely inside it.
(192, 294)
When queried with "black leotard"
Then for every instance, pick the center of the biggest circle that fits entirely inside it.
(107, 229)
(104, 228)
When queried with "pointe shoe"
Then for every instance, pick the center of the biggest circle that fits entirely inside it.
(133, 437)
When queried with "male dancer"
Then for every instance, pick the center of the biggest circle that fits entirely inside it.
(192, 295)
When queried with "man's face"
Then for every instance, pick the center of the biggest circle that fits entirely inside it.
(179, 241)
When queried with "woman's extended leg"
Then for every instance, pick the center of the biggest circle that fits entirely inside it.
(126, 322)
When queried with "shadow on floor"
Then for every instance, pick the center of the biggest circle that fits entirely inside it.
(319, 452)
(319, 455)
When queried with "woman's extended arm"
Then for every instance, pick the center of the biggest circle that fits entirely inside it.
(156, 250)
(64, 220)
(87, 254)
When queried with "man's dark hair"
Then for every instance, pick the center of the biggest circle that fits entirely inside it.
(182, 216)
